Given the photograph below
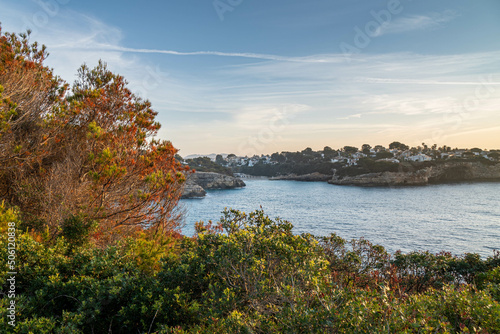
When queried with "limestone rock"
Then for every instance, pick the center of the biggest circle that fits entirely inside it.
(198, 182)
(447, 172)
(192, 190)
(209, 180)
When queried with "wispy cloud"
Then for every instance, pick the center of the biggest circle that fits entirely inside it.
(351, 116)
(416, 22)
(426, 82)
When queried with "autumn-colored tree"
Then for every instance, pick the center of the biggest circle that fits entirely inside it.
(86, 155)
(133, 179)
(28, 93)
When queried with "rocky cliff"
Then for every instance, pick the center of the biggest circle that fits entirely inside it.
(198, 182)
(447, 172)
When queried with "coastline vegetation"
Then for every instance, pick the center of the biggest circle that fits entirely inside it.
(205, 164)
(247, 274)
(89, 198)
(349, 161)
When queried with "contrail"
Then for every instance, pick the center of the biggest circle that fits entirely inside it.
(325, 59)
(211, 53)
(232, 54)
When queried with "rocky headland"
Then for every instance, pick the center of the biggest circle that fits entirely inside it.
(443, 173)
(197, 183)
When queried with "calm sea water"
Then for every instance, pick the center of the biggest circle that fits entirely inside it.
(458, 218)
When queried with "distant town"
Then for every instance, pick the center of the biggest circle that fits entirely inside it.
(376, 158)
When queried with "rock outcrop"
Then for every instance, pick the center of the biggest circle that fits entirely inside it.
(198, 182)
(313, 177)
(215, 181)
(444, 173)
(192, 190)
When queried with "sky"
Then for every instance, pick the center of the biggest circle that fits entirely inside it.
(262, 76)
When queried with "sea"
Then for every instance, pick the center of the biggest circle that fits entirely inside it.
(458, 218)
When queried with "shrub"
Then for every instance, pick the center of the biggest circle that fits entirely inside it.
(247, 274)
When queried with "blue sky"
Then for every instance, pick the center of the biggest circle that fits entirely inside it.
(255, 76)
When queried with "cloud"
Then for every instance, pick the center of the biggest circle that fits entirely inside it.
(426, 82)
(404, 105)
(415, 23)
(257, 116)
(351, 116)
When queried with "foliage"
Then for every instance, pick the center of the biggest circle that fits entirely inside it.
(368, 165)
(8, 215)
(205, 164)
(341, 161)
(81, 160)
(29, 93)
(384, 155)
(350, 149)
(490, 281)
(261, 169)
(398, 145)
(76, 230)
(247, 273)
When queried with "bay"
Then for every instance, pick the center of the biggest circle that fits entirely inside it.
(460, 218)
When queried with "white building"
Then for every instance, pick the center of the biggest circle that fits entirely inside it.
(420, 158)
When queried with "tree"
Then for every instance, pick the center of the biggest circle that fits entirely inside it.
(131, 179)
(29, 135)
(179, 158)
(296, 157)
(219, 159)
(327, 149)
(366, 149)
(384, 155)
(328, 153)
(307, 151)
(89, 154)
(278, 157)
(399, 146)
(350, 149)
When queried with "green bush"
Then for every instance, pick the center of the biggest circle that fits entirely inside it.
(246, 274)
(76, 230)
